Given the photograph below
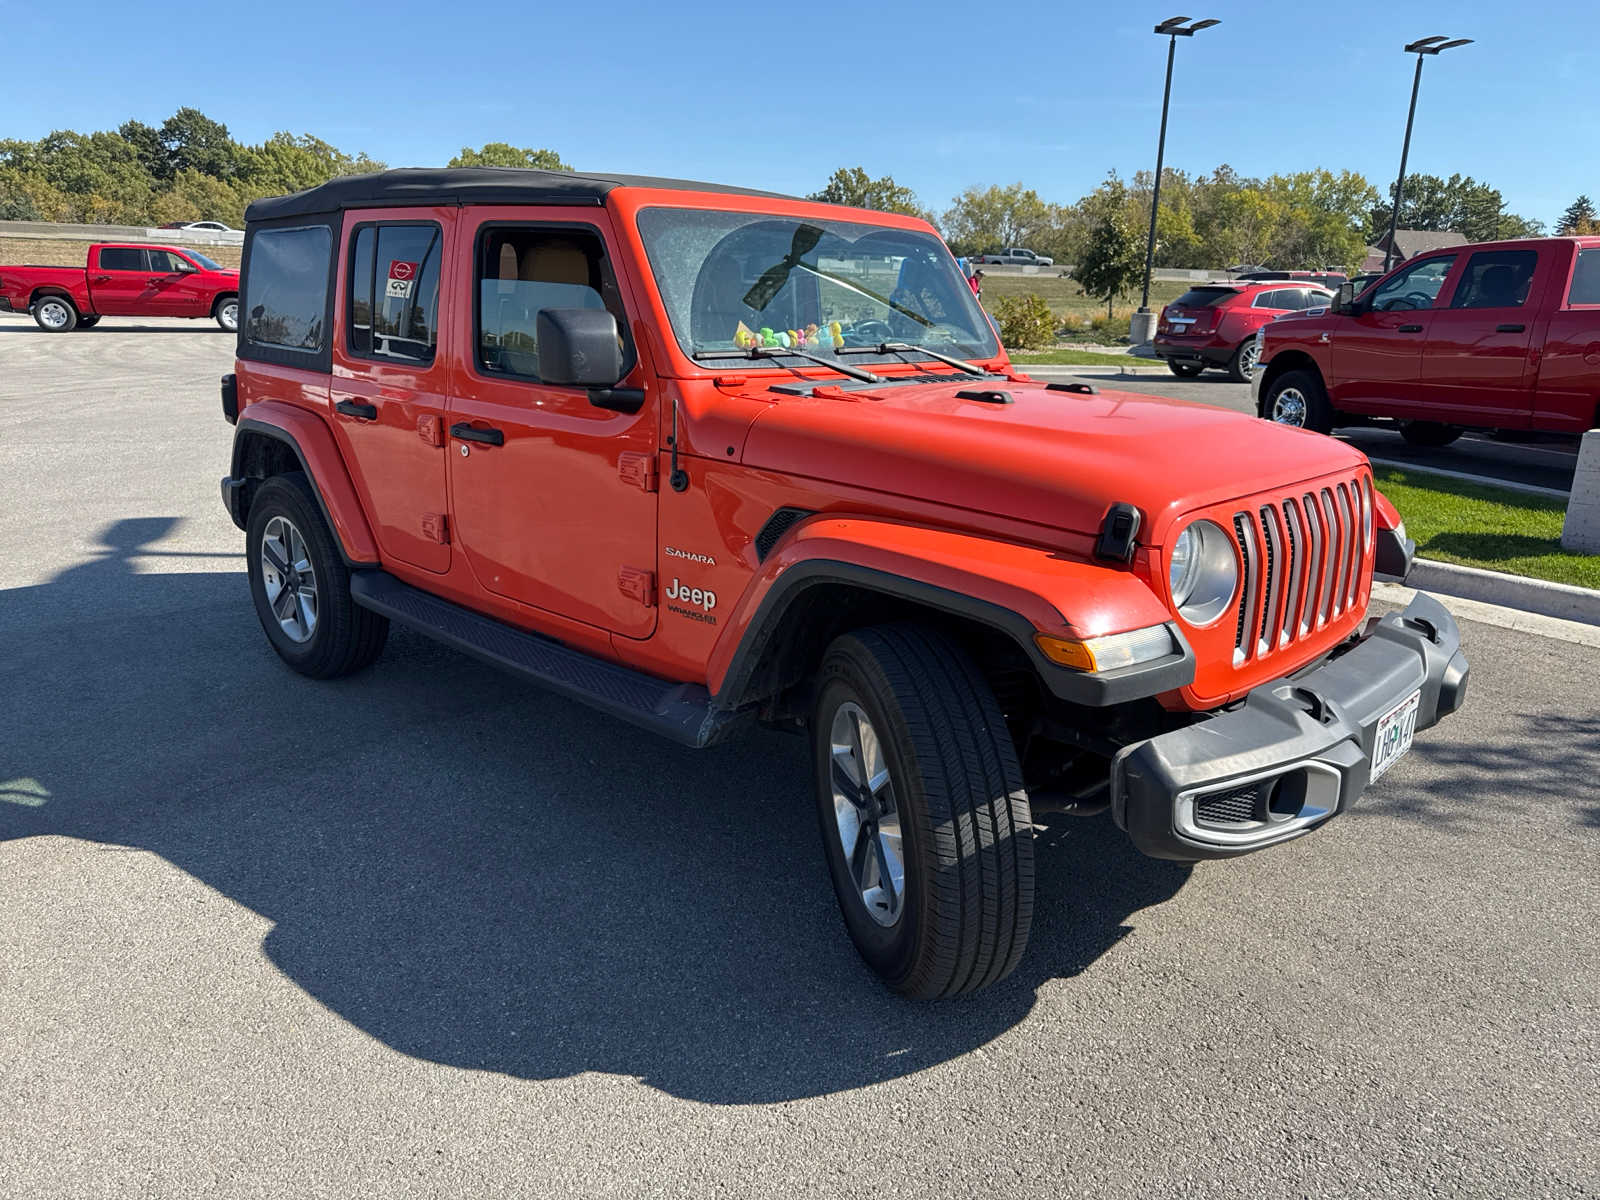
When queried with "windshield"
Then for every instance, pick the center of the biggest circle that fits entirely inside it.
(207, 263)
(731, 281)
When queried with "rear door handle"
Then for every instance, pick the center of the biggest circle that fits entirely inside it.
(471, 433)
(1510, 328)
(1409, 328)
(364, 412)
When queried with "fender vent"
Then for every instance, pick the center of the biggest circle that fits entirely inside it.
(777, 525)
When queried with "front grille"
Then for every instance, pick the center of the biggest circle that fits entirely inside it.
(1238, 807)
(1303, 564)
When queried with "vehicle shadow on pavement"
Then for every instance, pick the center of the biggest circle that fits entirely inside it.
(1554, 757)
(482, 875)
(200, 325)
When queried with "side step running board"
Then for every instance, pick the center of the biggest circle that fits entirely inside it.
(680, 711)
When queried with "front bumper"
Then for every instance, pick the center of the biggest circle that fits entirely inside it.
(1256, 377)
(1295, 753)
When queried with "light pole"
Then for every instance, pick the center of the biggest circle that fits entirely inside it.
(1420, 47)
(1173, 28)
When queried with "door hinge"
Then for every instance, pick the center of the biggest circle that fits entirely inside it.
(638, 584)
(430, 428)
(637, 468)
(436, 528)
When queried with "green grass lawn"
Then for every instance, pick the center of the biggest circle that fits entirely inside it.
(1478, 525)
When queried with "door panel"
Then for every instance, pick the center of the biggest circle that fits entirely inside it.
(390, 380)
(547, 517)
(1377, 355)
(173, 291)
(120, 283)
(1475, 360)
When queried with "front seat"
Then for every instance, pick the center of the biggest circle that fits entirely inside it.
(1498, 287)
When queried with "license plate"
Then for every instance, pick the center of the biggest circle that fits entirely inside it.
(1395, 731)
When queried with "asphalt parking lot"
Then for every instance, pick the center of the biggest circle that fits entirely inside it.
(425, 931)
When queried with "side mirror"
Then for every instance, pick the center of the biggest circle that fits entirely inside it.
(1342, 300)
(580, 347)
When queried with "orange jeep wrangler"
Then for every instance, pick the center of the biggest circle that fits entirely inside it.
(703, 457)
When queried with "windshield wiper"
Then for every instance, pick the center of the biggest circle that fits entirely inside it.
(907, 348)
(792, 352)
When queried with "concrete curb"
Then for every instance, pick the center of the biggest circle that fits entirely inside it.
(1121, 366)
(1559, 600)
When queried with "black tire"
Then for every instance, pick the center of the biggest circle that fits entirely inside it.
(1184, 370)
(957, 793)
(88, 322)
(1243, 361)
(220, 310)
(1429, 433)
(344, 637)
(1317, 413)
(55, 314)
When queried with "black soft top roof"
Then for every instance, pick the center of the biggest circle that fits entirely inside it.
(467, 185)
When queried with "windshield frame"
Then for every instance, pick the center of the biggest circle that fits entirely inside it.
(200, 260)
(716, 359)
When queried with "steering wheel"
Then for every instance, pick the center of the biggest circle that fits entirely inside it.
(1409, 301)
(870, 333)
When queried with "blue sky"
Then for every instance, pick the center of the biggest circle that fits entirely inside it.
(941, 95)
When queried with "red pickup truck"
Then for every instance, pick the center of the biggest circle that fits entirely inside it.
(1499, 335)
(124, 281)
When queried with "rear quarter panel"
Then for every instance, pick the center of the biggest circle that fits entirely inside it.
(21, 284)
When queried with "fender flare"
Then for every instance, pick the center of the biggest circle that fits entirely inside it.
(1017, 590)
(312, 443)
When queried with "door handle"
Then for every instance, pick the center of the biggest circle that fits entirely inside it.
(471, 433)
(102, 279)
(364, 412)
(1408, 328)
(1510, 328)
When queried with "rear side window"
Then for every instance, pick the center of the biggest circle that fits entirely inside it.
(393, 305)
(1496, 279)
(122, 258)
(520, 272)
(1203, 297)
(286, 288)
(1586, 279)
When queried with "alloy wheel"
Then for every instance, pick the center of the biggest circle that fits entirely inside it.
(866, 817)
(53, 314)
(1289, 408)
(229, 315)
(289, 579)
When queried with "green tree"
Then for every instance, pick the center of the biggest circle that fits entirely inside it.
(501, 154)
(147, 144)
(854, 187)
(1580, 217)
(195, 142)
(288, 162)
(1113, 256)
(988, 218)
(1460, 204)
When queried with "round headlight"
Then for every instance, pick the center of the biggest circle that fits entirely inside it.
(1202, 572)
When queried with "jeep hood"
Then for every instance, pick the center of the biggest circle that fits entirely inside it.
(1052, 458)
